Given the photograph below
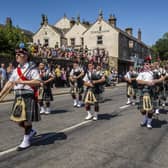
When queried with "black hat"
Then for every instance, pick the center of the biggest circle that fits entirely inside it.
(22, 50)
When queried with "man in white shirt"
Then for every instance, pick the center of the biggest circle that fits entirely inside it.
(93, 81)
(76, 84)
(145, 81)
(130, 78)
(24, 80)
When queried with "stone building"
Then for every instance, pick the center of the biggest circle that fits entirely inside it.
(48, 35)
(121, 46)
(75, 34)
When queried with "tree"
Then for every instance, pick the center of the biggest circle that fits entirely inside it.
(161, 47)
(10, 37)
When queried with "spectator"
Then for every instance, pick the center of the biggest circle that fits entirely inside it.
(63, 77)
(57, 76)
(3, 76)
(9, 70)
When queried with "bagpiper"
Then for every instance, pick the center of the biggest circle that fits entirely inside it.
(158, 89)
(24, 80)
(93, 80)
(76, 83)
(130, 78)
(146, 81)
(45, 88)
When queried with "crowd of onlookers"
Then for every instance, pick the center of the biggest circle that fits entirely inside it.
(61, 74)
(82, 55)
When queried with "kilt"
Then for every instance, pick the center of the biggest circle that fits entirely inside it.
(47, 94)
(31, 105)
(142, 92)
(97, 95)
(76, 90)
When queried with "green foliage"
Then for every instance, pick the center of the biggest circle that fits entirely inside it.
(161, 47)
(10, 37)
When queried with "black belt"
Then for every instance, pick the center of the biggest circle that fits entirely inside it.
(20, 92)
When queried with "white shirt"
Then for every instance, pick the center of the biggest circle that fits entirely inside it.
(78, 69)
(145, 76)
(128, 74)
(30, 74)
(86, 77)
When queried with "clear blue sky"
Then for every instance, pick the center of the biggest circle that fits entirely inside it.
(149, 15)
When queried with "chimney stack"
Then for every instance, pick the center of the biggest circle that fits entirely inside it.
(139, 34)
(129, 31)
(112, 20)
(72, 21)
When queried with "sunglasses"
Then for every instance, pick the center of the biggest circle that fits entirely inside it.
(19, 54)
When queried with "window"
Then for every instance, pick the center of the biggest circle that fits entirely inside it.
(100, 29)
(82, 41)
(99, 40)
(72, 41)
(46, 42)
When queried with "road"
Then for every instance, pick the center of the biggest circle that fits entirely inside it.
(65, 140)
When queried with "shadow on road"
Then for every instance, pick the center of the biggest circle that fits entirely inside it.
(163, 111)
(48, 138)
(105, 100)
(156, 123)
(107, 116)
(58, 111)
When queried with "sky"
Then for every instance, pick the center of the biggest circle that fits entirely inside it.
(150, 16)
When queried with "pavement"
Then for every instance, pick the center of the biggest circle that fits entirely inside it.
(55, 91)
(65, 140)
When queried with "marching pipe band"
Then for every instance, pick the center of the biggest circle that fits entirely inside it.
(25, 79)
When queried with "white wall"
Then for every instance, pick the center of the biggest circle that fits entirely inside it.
(75, 32)
(110, 37)
(51, 35)
(63, 23)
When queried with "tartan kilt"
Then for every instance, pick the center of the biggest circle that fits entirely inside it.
(77, 90)
(97, 95)
(31, 107)
(47, 94)
(142, 91)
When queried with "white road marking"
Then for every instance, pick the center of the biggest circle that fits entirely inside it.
(122, 107)
(8, 151)
(46, 137)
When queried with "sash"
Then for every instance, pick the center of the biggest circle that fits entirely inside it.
(21, 75)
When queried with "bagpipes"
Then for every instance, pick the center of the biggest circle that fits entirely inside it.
(31, 66)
